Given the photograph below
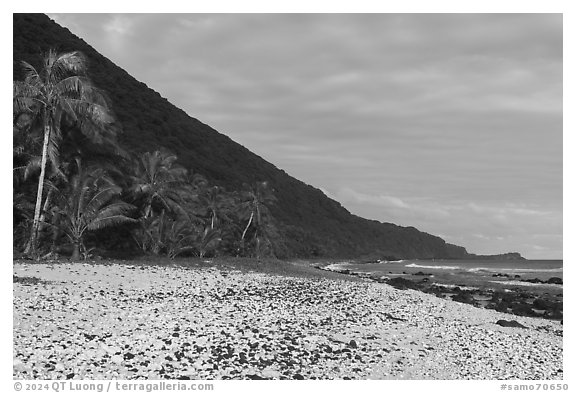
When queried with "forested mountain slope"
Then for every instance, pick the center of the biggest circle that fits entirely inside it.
(309, 223)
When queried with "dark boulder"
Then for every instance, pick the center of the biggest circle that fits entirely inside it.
(523, 309)
(534, 281)
(464, 297)
(402, 283)
(510, 323)
(542, 304)
(254, 376)
(502, 306)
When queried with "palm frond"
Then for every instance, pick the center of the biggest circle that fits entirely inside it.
(93, 94)
(72, 86)
(90, 113)
(118, 208)
(31, 75)
(72, 62)
(96, 201)
(175, 252)
(65, 106)
(24, 105)
(104, 222)
(32, 166)
(59, 66)
(50, 185)
(99, 188)
(24, 89)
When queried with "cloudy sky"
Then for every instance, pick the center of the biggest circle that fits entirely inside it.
(451, 123)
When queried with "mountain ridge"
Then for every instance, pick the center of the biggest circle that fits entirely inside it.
(311, 224)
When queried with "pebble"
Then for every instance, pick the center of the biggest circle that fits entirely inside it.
(118, 321)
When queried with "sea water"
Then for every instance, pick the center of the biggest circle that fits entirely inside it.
(495, 274)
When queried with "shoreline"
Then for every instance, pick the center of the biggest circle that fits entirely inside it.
(508, 294)
(212, 321)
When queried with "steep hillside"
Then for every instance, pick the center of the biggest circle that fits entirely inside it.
(313, 224)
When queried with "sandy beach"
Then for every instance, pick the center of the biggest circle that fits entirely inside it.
(103, 321)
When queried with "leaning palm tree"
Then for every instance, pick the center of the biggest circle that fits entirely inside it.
(27, 162)
(90, 203)
(255, 205)
(59, 94)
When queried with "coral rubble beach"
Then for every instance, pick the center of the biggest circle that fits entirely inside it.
(138, 321)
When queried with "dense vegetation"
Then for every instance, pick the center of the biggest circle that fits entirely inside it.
(173, 213)
(210, 194)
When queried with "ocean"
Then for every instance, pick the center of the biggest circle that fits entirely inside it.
(531, 288)
(493, 274)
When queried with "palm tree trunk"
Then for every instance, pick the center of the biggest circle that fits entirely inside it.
(36, 222)
(258, 229)
(76, 252)
(247, 226)
(42, 220)
(45, 208)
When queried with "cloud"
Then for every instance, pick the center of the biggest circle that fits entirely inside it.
(118, 25)
(416, 115)
(482, 228)
(386, 201)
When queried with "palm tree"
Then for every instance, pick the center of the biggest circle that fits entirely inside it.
(256, 199)
(179, 234)
(89, 203)
(207, 240)
(60, 93)
(216, 203)
(182, 235)
(156, 179)
(26, 163)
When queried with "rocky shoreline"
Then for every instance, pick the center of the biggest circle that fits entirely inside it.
(518, 301)
(84, 321)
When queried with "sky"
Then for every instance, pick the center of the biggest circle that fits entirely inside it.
(451, 123)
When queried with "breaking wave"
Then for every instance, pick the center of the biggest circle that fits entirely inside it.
(434, 267)
(335, 267)
(557, 270)
(524, 284)
(398, 261)
(513, 270)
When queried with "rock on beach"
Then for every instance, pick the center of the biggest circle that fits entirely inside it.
(106, 321)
